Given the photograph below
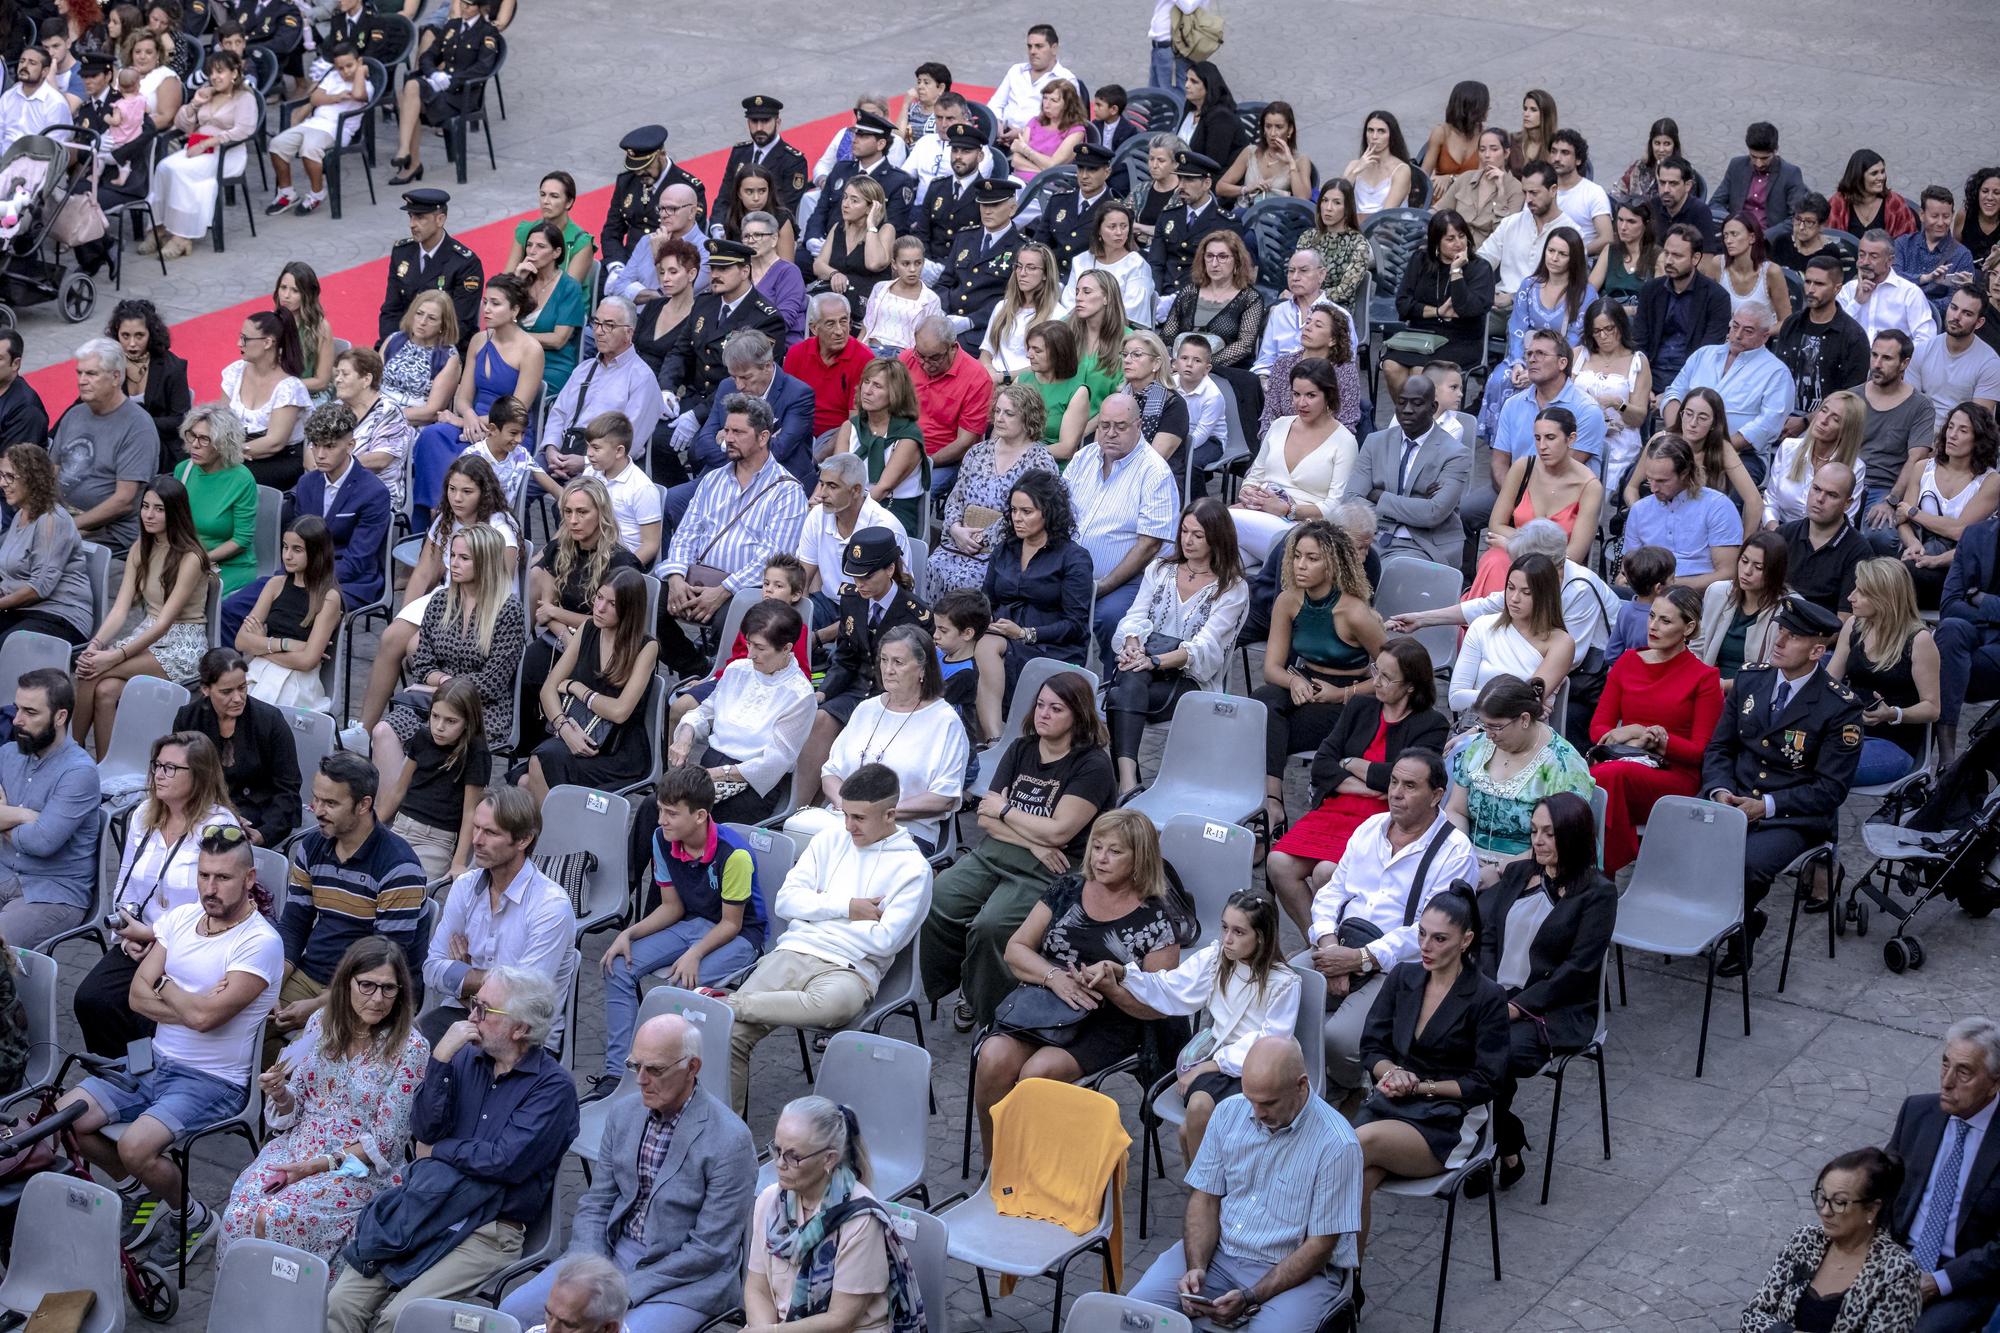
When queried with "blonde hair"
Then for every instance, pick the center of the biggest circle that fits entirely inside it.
(447, 317)
(1141, 839)
(1101, 339)
(1045, 299)
(1893, 596)
(1853, 421)
(597, 561)
(490, 584)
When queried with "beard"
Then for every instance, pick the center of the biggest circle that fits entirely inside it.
(34, 742)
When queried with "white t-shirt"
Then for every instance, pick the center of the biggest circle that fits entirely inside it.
(635, 502)
(1950, 380)
(326, 116)
(198, 963)
(927, 749)
(820, 541)
(1583, 203)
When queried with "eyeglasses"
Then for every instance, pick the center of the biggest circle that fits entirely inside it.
(654, 1072)
(786, 1157)
(166, 770)
(481, 1008)
(243, 338)
(1833, 1203)
(6, 475)
(760, 235)
(389, 989)
(1495, 728)
(607, 325)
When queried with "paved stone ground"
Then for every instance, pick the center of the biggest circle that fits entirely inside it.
(1706, 1177)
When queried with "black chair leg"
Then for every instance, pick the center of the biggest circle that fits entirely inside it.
(492, 163)
(1707, 1002)
(1555, 1115)
(1791, 929)
(1603, 1105)
(1147, 1142)
(1746, 987)
(971, 1077)
(985, 1298)
(1621, 975)
(333, 184)
(1836, 880)
(805, 1055)
(1493, 1210)
(1444, 1261)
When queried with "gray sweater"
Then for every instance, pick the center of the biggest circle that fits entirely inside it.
(47, 555)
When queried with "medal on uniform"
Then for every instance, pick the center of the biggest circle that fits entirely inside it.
(1061, 213)
(1795, 746)
(1749, 706)
(403, 269)
(699, 320)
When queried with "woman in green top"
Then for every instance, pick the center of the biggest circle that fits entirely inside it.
(884, 431)
(557, 197)
(221, 492)
(1632, 258)
(1323, 641)
(1098, 321)
(559, 308)
(1055, 372)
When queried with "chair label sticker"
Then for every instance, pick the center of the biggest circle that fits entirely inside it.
(1215, 832)
(79, 1199)
(598, 804)
(464, 1321)
(284, 1269)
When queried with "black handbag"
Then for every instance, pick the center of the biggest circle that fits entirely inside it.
(1356, 932)
(417, 701)
(597, 732)
(1602, 753)
(1038, 1013)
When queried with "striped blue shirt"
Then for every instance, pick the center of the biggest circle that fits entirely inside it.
(1137, 500)
(1280, 1186)
(737, 527)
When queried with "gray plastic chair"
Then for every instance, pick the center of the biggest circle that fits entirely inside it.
(1214, 761)
(1686, 895)
(887, 1082)
(145, 711)
(732, 623)
(269, 536)
(313, 738)
(1103, 1312)
(97, 567)
(274, 876)
(25, 650)
(428, 1315)
(1600, 805)
(1022, 1246)
(540, 1247)
(1410, 585)
(583, 819)
(263, 1284)
(35, 983)
(65, 1237)
(1034, 673)
(1212, 857)
(1447, 1186)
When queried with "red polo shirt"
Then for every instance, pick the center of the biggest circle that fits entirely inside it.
(832, 385)
(959, 399)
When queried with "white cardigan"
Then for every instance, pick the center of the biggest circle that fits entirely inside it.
(759, 721)
(1321, 476)
(1239, 1015)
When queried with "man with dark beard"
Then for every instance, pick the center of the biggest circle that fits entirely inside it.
(48, 816)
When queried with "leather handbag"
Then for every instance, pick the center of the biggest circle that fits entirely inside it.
(1038, 1012)
(1601, 753)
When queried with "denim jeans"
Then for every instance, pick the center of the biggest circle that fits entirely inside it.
(1882, 761)
(1165, 69)
(660, 949)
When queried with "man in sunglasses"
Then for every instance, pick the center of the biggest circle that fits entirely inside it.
(676, 1188)
(208, 983)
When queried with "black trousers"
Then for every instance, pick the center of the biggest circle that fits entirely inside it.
(1528, 1052)
(1134, 698)
(27, 617)
(1289, 727)
(102, 1010)
(1769, 850)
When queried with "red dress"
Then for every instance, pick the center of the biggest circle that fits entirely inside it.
(1323, 833)
(1682, 694)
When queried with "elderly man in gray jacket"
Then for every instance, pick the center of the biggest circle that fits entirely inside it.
(1414, 474)
(671, 1204)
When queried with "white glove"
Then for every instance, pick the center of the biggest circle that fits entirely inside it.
(670, 405)
(815, 245)
(439, 81)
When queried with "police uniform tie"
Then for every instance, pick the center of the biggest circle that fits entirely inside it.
(1781, 696)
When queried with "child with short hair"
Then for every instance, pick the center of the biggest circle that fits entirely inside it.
(128, 110)
(957, 620)
(1646, 570)
(505, 446)
(1107, 108)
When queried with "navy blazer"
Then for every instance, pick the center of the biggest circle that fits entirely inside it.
(791, 400)
(358, 528)
(1974, 1269)
(1971, 574)
(1711, 316)
(1788, 187)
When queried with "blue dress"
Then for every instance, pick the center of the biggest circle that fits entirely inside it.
(1528, 315)
(439, 444)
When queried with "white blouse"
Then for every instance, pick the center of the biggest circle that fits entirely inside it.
(1490, 649)
(1239, 1015)
(1133, 275)
(1321, 476)
(1932, 500)
(1009, 346)
(927, 748)
(1785, 499)
(1206, 623)
(291, 392)
(759, 721)
(157, 874)
(891, 320)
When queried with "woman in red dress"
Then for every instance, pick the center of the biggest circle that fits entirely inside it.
(1664, 700)
(1350, 772)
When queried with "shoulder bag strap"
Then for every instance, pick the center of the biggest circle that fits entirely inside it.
(742, 511)
(1423, 872)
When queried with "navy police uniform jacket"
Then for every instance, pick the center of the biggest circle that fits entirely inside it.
(850, 668)
(782, 160)
(973, 282)
(1064, 225)
(453, 270)
(693, 367)
(1803, 758)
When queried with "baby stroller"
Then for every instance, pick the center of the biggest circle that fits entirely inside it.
(48, 203)
(1936, 834)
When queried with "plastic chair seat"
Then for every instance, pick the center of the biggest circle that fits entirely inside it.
(1016, 1246)
(1661, 924)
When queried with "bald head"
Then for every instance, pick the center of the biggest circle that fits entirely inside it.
(677, 209)
(1274, 1081)
(667, 1051)
(1832, 487)
(1117, 426)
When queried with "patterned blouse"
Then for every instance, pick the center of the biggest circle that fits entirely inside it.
(1278, 393)
(1239, 324)
(1076, 939)
(1346, 256)
(1500, 812)
(445, 643)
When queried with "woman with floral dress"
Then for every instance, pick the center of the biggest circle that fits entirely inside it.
(338, 1103)
(986, 478)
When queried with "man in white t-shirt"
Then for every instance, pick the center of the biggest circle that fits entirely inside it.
(208, 983)
(841, 506)
(1581, 199)
(341, 89)
(635, 498)
(1018, 99)
(1958, 367)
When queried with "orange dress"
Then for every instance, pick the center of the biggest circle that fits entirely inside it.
(1491, 576)
(1452, 166)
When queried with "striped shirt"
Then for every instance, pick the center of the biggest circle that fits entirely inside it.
(1280, 1186)
(1137, 500)
(737, 527)
(332, 903)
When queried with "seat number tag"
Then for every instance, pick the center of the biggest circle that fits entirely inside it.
(597, 802)
(286, 1270)
(1215, 832)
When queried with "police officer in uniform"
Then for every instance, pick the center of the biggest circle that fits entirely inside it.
(432, 259)
(1181, 226)
(871, 158)
(981, 260)
(93, 110)
(466, 52)
(1067, 210)
(360, 28)
(764, 148)
(276, 24)
(635, 196)
(873, 601)
(1784, 754)
(692, 367)
(951, 202)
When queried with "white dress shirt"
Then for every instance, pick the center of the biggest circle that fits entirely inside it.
(1372, 881)
(1018, 99)
(1515, 247)
(533, 928)
(30, 113)
(1897, 303)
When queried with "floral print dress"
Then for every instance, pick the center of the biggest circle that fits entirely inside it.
(1500, 812)
(335, 1103)
(979, 484)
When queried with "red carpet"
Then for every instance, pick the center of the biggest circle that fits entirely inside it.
(353, 297)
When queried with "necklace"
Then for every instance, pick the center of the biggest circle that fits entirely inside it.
(872, 755)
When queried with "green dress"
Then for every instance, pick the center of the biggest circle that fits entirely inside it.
(225, 509)
(1055, 400)
(566, 305)
(1500, 812)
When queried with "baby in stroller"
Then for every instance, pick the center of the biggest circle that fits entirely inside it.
(21, 181)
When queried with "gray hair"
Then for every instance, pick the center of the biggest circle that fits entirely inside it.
(761, 419)
(531, 999)
(1173, 143)
(828, 1126)
(1877, 236)
(930, 326)
(844, 468)
(817, 305)
(1307, 252)
(225, 429)
(1355, 516)
(1767, 318)
(603, 1280)
(624, 307)
(745, 349)
(1981, 1032)
(1540, 536)
(104, 351)
(761, 218)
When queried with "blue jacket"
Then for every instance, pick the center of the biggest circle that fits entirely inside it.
(358, 529)
(1972, 568)
(791, 401)
(404, 1231)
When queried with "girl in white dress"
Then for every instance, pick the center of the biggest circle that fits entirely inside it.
(1611, 371)
(1747, 272)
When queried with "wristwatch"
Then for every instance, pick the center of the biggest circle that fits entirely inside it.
(1368, 964)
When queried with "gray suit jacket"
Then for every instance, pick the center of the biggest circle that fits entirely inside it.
(699, 1212)
(1786, 190)
(1427, 501)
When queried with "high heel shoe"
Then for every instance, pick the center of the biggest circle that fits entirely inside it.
(1510, 1176)
(399, 161)
(407, 175)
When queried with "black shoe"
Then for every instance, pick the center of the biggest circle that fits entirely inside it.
(1510, 1176)
(601, 1086)
(1815, 906)
(961, 1016)
(1729, 963)
(407, 175)
(399, 162)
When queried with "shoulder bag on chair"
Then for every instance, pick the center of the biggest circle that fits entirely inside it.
(702, 575)
(1356, 932)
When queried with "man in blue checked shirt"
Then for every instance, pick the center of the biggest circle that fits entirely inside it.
(1274, 1207)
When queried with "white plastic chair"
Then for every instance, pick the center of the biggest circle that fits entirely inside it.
(1034, 674)
(97, 566)
(1686, 895)
(26, 650)
(887, 1083)
(1214, 761)
(1410, 585)
(1104, 1312)
(1212, 857)
(313, 738)
(1021, 1246)
(263, 1284)
(583, 819)
(429, 1315)
(274, 876)
(66, 1236)
(145, 711)
(1447, 1186)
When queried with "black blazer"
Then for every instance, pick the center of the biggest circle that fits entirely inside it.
(262, 771)
(1353, 732)
(167, 401)
(1711, 315)
(851, 668)
(1917, 1138)
(1219, 135)
(1566, 958)
(1466, 1039)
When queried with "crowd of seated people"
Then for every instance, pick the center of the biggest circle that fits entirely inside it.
(911, 505)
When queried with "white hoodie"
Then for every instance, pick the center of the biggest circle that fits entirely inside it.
(830, 873)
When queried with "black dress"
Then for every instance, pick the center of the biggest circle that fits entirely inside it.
(653, 345)
(1106, 1034)
(625, 759)
(573, 595)
(1466, 1040)
(1895, 684)
(861, 279)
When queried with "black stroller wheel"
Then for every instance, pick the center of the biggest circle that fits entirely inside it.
(7, 319)
(1861, 919)
(77, 297)
(1896, 954)
(153, 1293)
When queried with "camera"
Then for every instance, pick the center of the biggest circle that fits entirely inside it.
(115, 920)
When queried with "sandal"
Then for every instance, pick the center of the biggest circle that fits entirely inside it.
(1272, 830)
